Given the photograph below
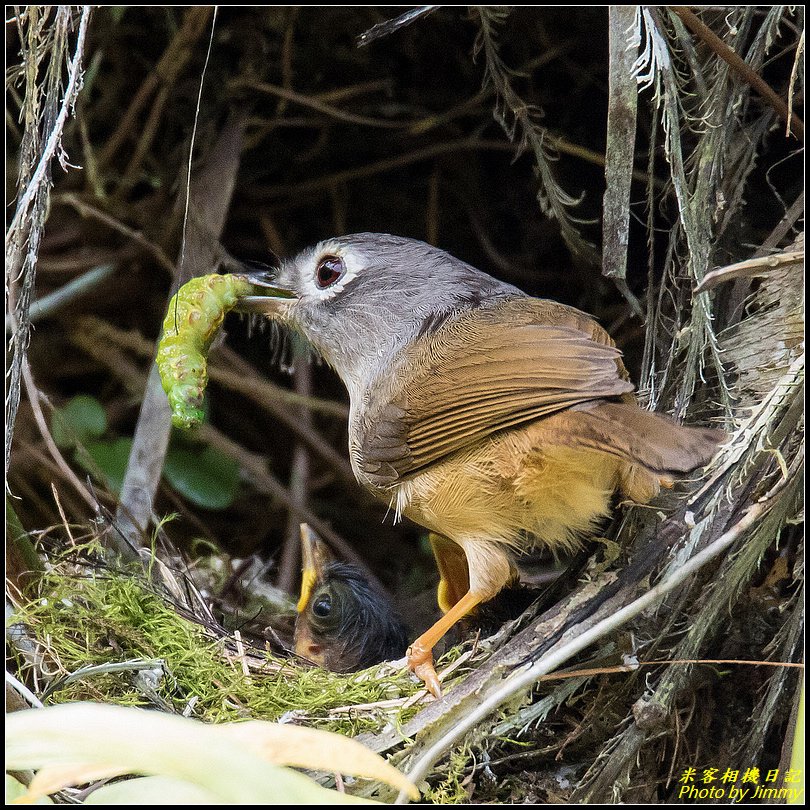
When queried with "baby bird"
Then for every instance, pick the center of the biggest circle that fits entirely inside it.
(344, 624)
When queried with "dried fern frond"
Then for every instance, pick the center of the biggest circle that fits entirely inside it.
(520, 121)
(760, 347)
(711, 147)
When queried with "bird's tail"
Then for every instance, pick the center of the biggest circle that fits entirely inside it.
(656, 448)
(652, 440)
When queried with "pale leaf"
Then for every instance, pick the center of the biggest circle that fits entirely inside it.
(152, 790)
(55, 777)
(128, 740)
(315, 749)
(16, 790)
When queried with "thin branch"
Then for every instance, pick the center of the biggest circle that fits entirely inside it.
(148, 133)
(289, 566)
(173, 60)
(53, 302)
(783, 228)
(749, 268)
(39, 416)
(87, 210)
(298, 190)
(319, 106)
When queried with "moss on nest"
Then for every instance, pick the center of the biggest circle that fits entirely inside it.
(85, 619)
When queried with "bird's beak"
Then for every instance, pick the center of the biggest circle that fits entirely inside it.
(314, 558)
(270, 297)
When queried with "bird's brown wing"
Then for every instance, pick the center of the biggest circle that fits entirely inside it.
(485, 371)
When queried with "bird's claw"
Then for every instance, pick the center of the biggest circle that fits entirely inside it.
(420, 662)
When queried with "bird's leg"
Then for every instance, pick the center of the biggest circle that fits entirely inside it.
(420, 653)
(489, 567)
(453, 570)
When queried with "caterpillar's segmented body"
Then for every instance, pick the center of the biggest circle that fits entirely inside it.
(194, 317)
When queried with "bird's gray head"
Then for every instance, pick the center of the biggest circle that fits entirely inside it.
(359, 299)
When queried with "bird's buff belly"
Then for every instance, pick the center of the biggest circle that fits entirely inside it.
(513, 490)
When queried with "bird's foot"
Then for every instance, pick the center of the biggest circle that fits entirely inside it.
(420, 662)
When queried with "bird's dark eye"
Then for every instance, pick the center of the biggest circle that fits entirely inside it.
(330, 269)
(322, 606)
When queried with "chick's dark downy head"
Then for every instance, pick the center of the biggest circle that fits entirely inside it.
(346, 624)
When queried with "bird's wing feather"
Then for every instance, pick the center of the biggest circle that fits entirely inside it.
(485, 371)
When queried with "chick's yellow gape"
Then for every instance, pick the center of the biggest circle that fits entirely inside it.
(492, 418)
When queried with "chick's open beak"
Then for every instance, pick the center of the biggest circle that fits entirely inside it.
(270, 297)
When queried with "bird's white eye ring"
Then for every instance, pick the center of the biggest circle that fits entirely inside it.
(329, 270)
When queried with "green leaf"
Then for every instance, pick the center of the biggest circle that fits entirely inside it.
(204, 476)
(109, 458)
(82, 418)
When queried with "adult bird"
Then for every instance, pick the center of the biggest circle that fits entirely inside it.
(497, 420)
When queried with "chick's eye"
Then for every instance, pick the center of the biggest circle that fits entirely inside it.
(322, 606)
(330, 269)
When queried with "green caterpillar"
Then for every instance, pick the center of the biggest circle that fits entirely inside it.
(195, 316)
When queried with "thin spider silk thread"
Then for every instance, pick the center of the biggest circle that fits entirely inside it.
(191, 155)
